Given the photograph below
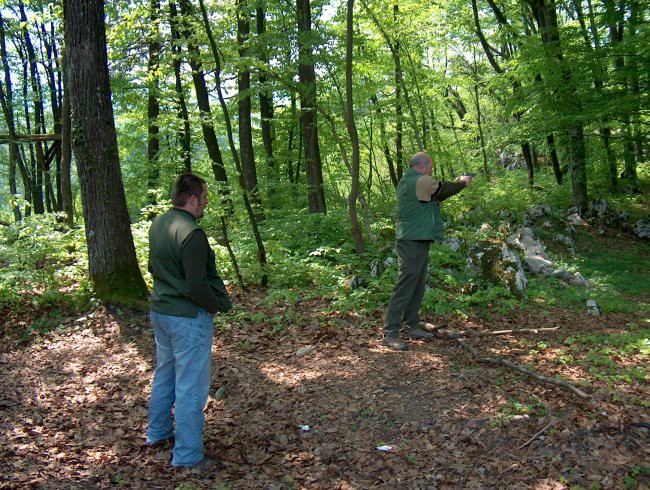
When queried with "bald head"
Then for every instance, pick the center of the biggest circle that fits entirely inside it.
(421, 162)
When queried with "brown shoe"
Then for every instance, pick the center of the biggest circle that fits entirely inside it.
(206, 465)
(393, 342)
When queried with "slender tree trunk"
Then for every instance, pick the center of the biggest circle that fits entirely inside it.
(113, 265)
(182, 114)
(292, 125)
(384, 144)
(354, 136)
(266, 102)
(51, 52)
(261, 250)
(39, 115)
(545, 14)
(6, 100)
(202, 96)
(244, 105)
(555, 162)
(308, 118)
(66, 153)
(153, 103)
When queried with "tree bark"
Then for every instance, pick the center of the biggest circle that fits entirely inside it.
(545, 15)
(202, 96)
(308, 117)
(113, 266)
(66, 152)
(266, 102)
(352, 131)
(182, 114)
(6, 100)
(153, 103)
(249, 171)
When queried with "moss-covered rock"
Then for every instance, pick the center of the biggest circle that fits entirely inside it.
(496, 263)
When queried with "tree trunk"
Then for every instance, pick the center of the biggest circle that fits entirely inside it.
(182, 114)
(249, 171)
(261, 251)
(51, 52)
(308, 118)
(266, 102)
(6, 99)
(153, 104)
(39, 116)
(384, 143)
(354, 136)
(113, 265)
(545, 14)
(555, 162)
(66, 152)
(202, 96)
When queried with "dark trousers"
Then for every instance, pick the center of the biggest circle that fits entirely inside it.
(404, 303)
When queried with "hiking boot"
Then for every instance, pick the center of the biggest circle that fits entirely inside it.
(430, 327)
(418, 334)
(161, 444)
(206, 465)
(393, 342)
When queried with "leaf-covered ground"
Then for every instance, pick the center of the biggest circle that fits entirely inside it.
(73, 405)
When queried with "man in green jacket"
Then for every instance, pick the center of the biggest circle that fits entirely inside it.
(187, 292)
(419, 223)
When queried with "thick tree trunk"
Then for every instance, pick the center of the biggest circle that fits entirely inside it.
(308, 118)
(113, 265)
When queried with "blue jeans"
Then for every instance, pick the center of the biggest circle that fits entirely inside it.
(182, 380)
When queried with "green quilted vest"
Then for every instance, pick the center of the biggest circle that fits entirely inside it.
(417, 220)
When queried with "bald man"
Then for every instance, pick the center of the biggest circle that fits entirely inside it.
(420, 223)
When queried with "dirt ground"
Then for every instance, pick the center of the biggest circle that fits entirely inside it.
(73, 407)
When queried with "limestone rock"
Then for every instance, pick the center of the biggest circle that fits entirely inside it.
(536, 212)
(454, 243)
(498, 264)
(642, 228)
(376, 268)
(593, 308)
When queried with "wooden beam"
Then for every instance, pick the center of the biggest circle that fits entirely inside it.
(29, 138)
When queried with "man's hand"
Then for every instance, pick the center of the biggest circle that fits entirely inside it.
(467, 179)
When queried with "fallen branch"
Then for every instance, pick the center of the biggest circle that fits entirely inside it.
(503, 362)
(471, 333)
(536, 435)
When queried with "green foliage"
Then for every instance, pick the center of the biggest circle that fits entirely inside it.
(44, 263)
(607, 354)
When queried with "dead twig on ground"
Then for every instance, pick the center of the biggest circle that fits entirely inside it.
(472, 333)
(536, 435)
(498, 361)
